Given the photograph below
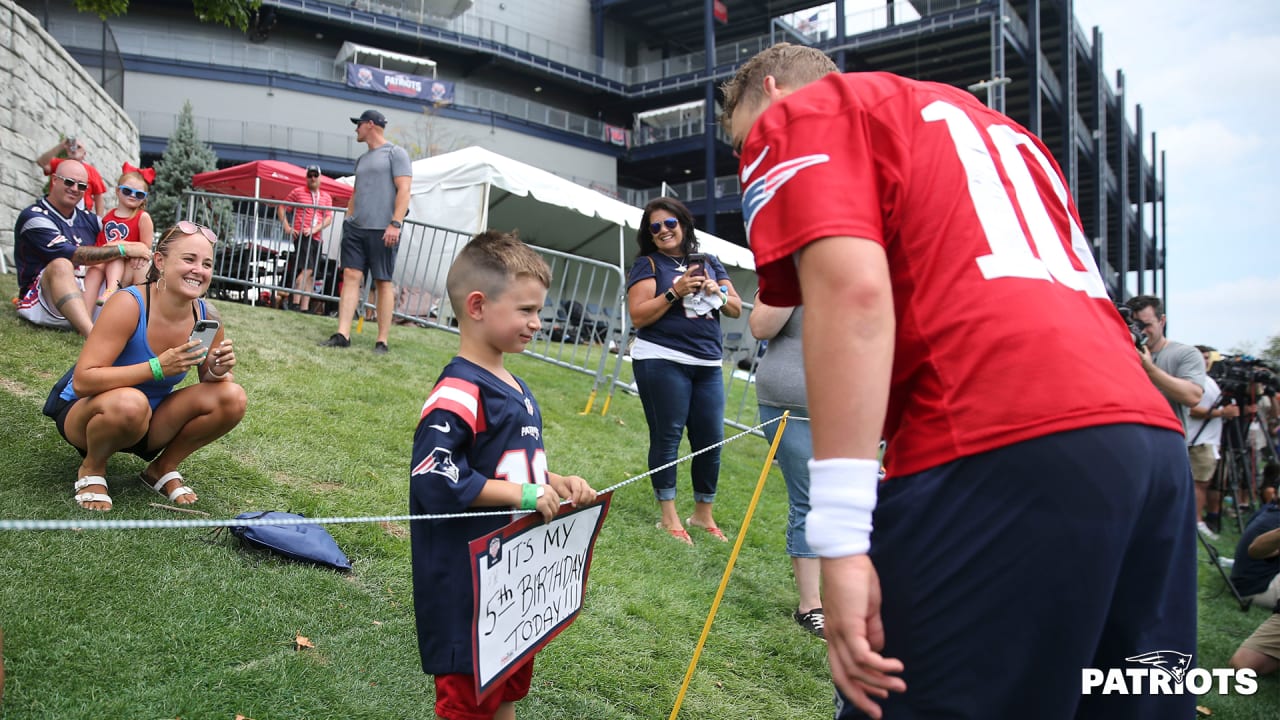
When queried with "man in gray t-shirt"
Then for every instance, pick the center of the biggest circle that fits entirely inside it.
(1175, 369)
(371, 230)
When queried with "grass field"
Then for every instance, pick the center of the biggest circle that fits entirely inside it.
(183, 623)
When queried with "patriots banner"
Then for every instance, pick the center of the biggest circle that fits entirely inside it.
(367, 77)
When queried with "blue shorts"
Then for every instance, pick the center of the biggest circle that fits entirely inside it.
(1003, 575)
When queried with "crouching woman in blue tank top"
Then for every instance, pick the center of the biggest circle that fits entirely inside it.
(121, 397)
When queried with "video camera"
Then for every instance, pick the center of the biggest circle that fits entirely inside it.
(1234, 374)
(1135, 328)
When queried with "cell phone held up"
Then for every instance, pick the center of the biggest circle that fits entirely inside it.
(204, 331)
(700, 261)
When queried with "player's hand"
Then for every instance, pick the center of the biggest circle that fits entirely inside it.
(855, 635)
(574, 489)
(391, 236)
(549, 504)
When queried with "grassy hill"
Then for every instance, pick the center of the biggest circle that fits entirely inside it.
(182, 623)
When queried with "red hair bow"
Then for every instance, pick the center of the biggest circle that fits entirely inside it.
(148, 174)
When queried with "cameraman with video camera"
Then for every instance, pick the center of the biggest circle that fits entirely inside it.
(1203, 440)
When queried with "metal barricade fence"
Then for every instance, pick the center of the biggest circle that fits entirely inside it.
(582, 321)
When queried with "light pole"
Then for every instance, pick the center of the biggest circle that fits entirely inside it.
(988, 85)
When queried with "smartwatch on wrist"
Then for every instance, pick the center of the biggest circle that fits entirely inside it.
(671, 296)
(395, 224)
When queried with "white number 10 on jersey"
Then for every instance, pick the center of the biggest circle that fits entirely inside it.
(1011, 254)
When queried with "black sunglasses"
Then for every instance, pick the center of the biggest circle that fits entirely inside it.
(129, 192)
(669, 223)
(186, 227)
(78, 185)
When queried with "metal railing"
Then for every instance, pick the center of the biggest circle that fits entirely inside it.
(188, 47)
(254, 262)
(694, 190)
(585, 324)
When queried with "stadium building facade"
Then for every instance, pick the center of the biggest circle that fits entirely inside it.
(613, 93)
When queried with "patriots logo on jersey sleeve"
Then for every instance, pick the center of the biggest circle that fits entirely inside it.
(459, 397)
(761, 190)
(438, 462)
(116, 231)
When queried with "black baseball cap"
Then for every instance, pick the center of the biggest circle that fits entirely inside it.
(372, 116)
(313, 169)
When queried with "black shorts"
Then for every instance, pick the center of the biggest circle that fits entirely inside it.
(364, 250)
(60, 420)
(1003, 575)
(307, 255)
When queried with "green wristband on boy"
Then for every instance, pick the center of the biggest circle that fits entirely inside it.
(529, 494)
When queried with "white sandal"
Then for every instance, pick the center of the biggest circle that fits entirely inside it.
(158, 486)
(87, 497)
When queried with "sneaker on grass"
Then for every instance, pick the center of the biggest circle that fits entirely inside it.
(337, 340)
(380, 348)
(813, 621)
(1205, 531)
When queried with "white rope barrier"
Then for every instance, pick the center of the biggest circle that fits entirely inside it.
(250, 522)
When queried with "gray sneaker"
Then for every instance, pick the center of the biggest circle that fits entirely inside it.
(813, 621)
(337, 340)
(380, 348)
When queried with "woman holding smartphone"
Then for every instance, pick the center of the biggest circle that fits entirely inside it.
(675, 296)
(121, 395)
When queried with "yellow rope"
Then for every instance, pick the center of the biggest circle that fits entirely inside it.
(728, 570)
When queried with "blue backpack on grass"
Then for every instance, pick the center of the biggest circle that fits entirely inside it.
(306, 542)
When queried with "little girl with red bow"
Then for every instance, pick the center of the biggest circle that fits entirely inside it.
(127, 222)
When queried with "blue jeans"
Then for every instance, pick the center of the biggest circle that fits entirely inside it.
(676, 397)
(794, 453)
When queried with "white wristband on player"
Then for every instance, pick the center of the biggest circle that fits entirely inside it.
(842, 495)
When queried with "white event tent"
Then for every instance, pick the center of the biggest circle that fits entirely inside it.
(472, 189)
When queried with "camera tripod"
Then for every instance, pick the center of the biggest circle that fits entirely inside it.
(1213, 554)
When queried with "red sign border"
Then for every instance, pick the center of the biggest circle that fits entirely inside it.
(480, 548)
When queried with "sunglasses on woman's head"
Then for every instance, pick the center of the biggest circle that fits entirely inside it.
(186, 227)
(129, 192)
(669, 223)
(81, 186)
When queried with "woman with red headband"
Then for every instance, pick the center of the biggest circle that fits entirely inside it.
(129, 221)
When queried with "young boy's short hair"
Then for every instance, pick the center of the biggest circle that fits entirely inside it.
(489, 262)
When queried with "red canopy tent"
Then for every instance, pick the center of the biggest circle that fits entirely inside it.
(267, 180)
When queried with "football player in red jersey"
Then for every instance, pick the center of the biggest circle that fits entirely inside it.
(1035, 516)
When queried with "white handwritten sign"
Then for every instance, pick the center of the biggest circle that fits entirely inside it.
(528, 579)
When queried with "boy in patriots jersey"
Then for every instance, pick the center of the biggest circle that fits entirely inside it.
(953, 305)
(478, 447)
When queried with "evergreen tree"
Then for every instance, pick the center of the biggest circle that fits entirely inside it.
(184, 156)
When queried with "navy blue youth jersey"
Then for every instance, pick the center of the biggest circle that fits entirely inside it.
(474, 428)
(41, 235)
